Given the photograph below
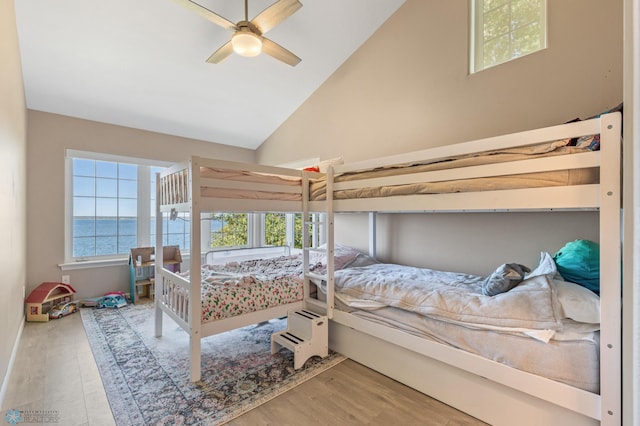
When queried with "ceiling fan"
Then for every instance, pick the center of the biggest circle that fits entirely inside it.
(247, 38)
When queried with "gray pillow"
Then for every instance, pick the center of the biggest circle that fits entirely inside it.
(507, 276)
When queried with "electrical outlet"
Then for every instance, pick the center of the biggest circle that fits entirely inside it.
(66, 279)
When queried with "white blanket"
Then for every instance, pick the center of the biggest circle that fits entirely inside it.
(452, 297)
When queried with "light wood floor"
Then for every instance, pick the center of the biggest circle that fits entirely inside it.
(55, 373)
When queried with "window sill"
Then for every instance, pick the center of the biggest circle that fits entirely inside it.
(86, 264)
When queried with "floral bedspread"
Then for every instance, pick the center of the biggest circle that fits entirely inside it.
(240, 287)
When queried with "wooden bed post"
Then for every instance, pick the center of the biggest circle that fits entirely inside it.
(195, 303)
(610, 271)
(158, 243)
(372, 235)
(329, 229)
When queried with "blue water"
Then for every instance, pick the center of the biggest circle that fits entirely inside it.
(109, 236)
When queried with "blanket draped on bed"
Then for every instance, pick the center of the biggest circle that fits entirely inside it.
(450, 296)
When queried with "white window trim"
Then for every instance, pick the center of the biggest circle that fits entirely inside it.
(70, 262)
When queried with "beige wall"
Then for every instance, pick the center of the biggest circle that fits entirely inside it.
(408, 88)
(49, 136)
(474, 243)
(13, 149)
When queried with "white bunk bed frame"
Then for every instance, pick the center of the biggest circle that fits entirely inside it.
(486, 389)
(178, 189)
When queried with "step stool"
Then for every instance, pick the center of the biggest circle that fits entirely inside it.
(306, 335)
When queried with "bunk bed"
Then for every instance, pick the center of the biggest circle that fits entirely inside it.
(192, 299)
(432, 180)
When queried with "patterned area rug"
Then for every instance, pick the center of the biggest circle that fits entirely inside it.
(147, 378)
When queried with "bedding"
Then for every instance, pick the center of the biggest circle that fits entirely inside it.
(251, 285)
(452, 296)
(525, 180)
(236, 288)
(578, 303)
(570, 356)
(248, 194)
(507, 276)
(543, 325)
(248, 177)
(540, 306)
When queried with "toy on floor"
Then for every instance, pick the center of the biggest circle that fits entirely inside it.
(112, 300)
(45, 295)
(90, 302)
(63, 309)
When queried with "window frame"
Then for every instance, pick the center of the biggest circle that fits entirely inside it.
(476, 43)
(255, 221)
(143, 205)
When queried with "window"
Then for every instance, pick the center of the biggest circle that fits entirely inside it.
(275, 227)
(229, 230)
(503, 30)
(110, 206)
(283, 229)
(111, 209)
(104, 207)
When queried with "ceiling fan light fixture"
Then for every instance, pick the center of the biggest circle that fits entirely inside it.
(245, 43)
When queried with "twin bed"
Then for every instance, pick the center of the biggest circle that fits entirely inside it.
(547, 362)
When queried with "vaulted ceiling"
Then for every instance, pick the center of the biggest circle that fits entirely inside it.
(142, 63)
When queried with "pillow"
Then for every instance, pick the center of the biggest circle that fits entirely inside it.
(507, 276)
(324, 165)
(343, 256)
(360, 261)
(579, 262)
(577, 302)
(546, 266)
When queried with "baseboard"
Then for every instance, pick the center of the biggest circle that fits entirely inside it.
(14, 353)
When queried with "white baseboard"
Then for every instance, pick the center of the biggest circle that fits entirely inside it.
(14, 352)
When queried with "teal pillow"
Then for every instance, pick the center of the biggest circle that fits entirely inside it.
(579, 262)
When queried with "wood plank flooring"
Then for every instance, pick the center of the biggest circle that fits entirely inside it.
(55, 371)
(352, 394)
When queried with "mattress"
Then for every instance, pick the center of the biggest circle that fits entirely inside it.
(529, 327)
(237, 288)
(574, 361)
(248, 177)
(514, 181)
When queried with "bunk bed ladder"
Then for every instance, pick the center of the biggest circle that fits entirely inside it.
(307, 332)
(314, 224)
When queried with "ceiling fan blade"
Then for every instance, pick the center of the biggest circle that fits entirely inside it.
(274, 14)
(211, 16)
(221, 54)
(278, 52)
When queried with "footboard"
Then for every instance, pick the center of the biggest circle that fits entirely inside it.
(173, 295)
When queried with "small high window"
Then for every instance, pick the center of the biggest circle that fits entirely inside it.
(503, 30)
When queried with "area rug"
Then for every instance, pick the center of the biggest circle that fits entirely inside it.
(147, 379)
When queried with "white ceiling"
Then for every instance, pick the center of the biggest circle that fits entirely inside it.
(141, 63)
